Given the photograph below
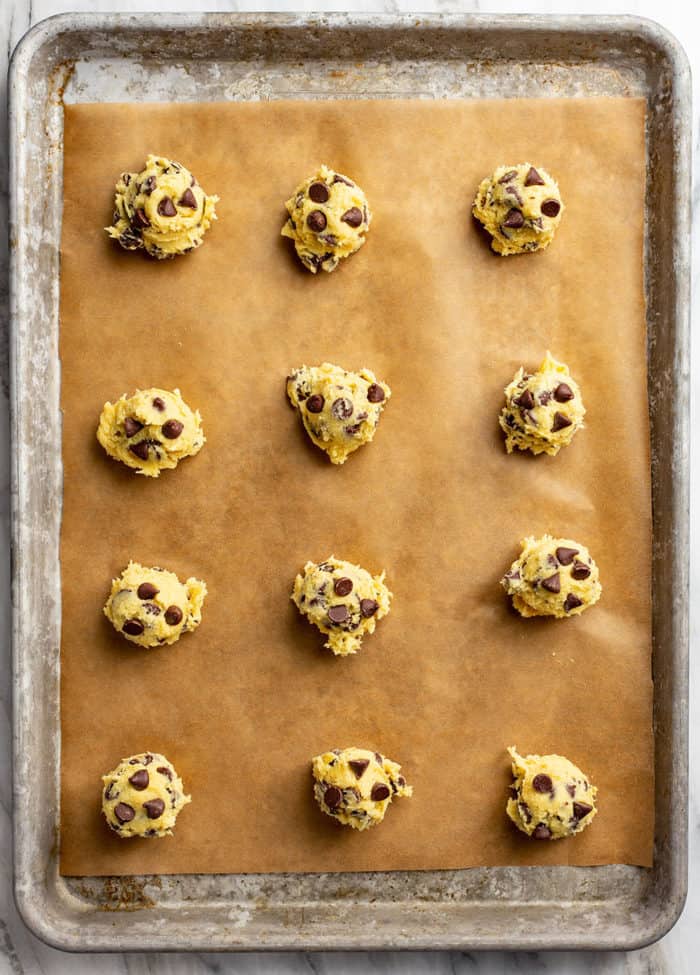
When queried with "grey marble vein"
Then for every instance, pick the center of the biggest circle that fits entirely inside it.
(20, 951)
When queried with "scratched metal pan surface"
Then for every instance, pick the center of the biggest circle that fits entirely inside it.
(89, 58)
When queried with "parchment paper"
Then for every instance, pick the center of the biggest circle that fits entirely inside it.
(452, 676)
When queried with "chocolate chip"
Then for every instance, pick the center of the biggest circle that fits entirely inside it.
(166, 207)
(550, 208)
(140, 779)
(165, 771)
(352, 217)
(526, 400)
(542, 783)
(401, 780)
(172, 429)
(580, 570)
(566, 555)
(329, 239)
(368, 607)
(533, 178)
(507, 177)
(173, 615)
(552, 584)
(530, 417)
(133, 627)
(124, 812)
(338, 614)
(342, 408)
(380, 792)
(375, 393)
(147, 759)
(148, 185)
(315, 403)
(332, 797)
(154, 808)
(544, 397)
(151, 609)
(318, 192)
(341, 179)
(514, 219)
(135, 761)
(140, 449)
(316, 221)
(563, 393)
(188, 199)
(525, 812)
(512, 574)
(571, 602)
(560, 422)
(342, 587)
(541, 832)
(140, 219)
(359, 766)
(582, 809)
(513, 792)
(132, 426)
(571, 789)
(147, 590)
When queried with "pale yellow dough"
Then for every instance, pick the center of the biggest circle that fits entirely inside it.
(552, 577)
(151, 607)
(340, 410)
(343, 600)
(520, 206)
(543, 410)
(550, 798)
(356, 785)
(162, 210)
(150, 431)
(328, 219)
(143, 796)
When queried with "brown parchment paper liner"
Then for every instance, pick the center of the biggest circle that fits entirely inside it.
(451, 677)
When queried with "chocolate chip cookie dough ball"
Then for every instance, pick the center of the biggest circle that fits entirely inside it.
(550, 798)
(520, 207)
(356, 785)
(162, 210)
(343, 600)
(543, 410)
(151, 431)
(143, 796)
(339, 409)
(152, 607)
(328, 219)
(552, 577)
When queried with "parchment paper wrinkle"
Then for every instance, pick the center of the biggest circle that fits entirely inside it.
(451, 677)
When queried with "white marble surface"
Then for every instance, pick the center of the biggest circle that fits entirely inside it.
(20, 951)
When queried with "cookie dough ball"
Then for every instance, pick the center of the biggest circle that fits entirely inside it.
(143, 796)
(150, 431)
(328, 219)
(152, 607)
(343, 600)
(162, 210)
(356, 786)
(550, 798)
(553, 577)
(543, 410)
(339, 409)
(520, 207)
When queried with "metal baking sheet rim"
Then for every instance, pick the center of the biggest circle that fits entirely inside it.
(530, 908)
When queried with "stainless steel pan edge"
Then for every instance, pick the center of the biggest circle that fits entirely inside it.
(525, 908)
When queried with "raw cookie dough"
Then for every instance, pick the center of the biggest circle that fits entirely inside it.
(143, 796)
(328, 219)
(520, 207)
(343, 600)
(552, 577)
(340, 410)
(356, 785)
(551, 798)
(162, 210)
(150, 431)
(543, 410)
(152, 607)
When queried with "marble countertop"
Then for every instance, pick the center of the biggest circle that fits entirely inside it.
(20, 951)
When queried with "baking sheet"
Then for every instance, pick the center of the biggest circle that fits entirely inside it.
(451, 677)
